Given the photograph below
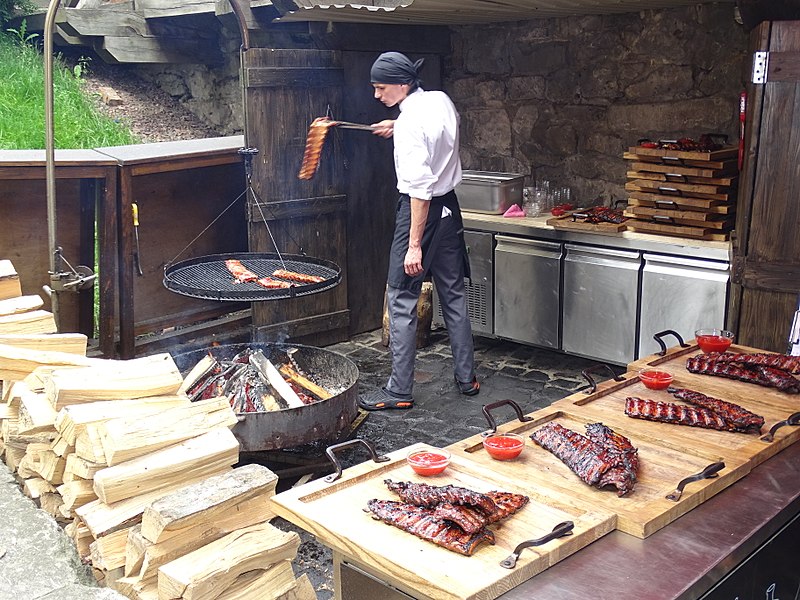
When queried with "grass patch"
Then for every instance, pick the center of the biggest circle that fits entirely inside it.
(77, 123)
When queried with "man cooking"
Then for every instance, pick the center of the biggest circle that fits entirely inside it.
(429, 233)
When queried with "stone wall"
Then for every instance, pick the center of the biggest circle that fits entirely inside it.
(561, 99)
(557, 99)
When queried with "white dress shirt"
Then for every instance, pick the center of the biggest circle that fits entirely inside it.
(426, 145)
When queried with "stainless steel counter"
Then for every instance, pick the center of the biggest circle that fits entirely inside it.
(685, 559)
(626, 240)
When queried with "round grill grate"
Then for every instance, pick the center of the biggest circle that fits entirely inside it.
(208, 278)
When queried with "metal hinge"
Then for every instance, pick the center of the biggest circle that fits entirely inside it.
(760, 64)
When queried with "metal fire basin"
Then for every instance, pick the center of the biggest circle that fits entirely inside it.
(291, 427)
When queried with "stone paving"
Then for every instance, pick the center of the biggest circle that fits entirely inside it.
(39, 562)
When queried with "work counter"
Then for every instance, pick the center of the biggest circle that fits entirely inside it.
(537, 227)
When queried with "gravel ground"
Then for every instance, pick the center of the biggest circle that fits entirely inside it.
(149, 112)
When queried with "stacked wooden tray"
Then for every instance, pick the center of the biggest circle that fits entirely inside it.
(680, 193)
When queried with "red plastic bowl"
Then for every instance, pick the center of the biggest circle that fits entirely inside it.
(655, 379)
(428, 461)
(504, 446)
(713, 340)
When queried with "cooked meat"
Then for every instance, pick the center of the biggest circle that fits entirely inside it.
(784, 362)
(665, 412)
(314, 142)
(758, 374)
(470, 520)
(240, 273)
(615, 443)
(422, 523)
(298, 277)
(273, 284)
(507, 504)
(422, 494)
(594, 463)
(736, 416)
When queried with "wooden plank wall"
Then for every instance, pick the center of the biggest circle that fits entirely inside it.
(766, 265)
(23, 215)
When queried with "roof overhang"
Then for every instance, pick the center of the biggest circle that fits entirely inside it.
(461, 12)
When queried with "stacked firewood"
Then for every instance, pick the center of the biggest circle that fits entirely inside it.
(142, 478)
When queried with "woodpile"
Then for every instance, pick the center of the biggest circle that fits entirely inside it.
(142, 478)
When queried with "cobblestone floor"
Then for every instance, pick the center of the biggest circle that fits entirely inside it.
(532, 377)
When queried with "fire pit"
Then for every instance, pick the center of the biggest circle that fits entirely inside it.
(320, 421)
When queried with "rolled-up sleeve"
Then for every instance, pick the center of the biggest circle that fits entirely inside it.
(414, 162)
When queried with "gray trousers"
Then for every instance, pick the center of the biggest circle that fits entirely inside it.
(447, 272)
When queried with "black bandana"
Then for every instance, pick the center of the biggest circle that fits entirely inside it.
(393, 67)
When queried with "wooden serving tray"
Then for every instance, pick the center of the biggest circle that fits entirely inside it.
(709, 192)
(654, 165)
(565, 222)
(668, 177)
(672, 163)
(688, 231)
(683, 203)
(662, 466)
(693, 218)
(333, 512)
(715, 155)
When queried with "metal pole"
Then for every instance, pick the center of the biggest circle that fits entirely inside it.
(50, 149)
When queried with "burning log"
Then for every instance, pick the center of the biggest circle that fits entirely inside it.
(252, 383)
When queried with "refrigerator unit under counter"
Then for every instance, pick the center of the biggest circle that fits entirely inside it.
(527, 304)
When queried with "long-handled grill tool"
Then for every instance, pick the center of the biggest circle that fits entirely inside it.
(347, 125)
(136, 257)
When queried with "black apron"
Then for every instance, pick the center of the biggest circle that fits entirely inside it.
(431, 238)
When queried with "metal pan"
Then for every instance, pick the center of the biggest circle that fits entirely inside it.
(208, 278)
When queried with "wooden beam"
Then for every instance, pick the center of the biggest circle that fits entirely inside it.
(138, 49)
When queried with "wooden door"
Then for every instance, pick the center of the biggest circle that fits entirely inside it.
(766, 248)
(284, 91)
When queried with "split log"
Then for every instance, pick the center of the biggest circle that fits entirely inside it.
(36, 486)
(81, 536)
(9, 281)
(203, 573)
(204, 455)
(51, 467)
(303, 590)
(51, 504)
(28, 467)
(102, 518)
(108, 552)
(20, 304)
(127, 438)
(71, 343)
(61, 446)
(207, 501)
(35, 321)
(149, 557)
(17, 363)
(77, 493)
(261, 584)
(36, 414)
(198, 371)
(114, 380)
(72, 419)
(279, 384)
(89, 445)
(82, 468)
(13, 456)
(295, 377)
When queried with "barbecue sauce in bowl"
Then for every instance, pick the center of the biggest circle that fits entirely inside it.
(713, 340)
(655, 380)
(504, 446)
(428, 462)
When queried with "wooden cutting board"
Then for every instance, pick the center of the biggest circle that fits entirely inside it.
(566, 222)
(673, 163)
(333, 512)
(662, 466)
(714, 155)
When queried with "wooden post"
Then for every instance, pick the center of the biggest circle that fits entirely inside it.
(424, 316)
